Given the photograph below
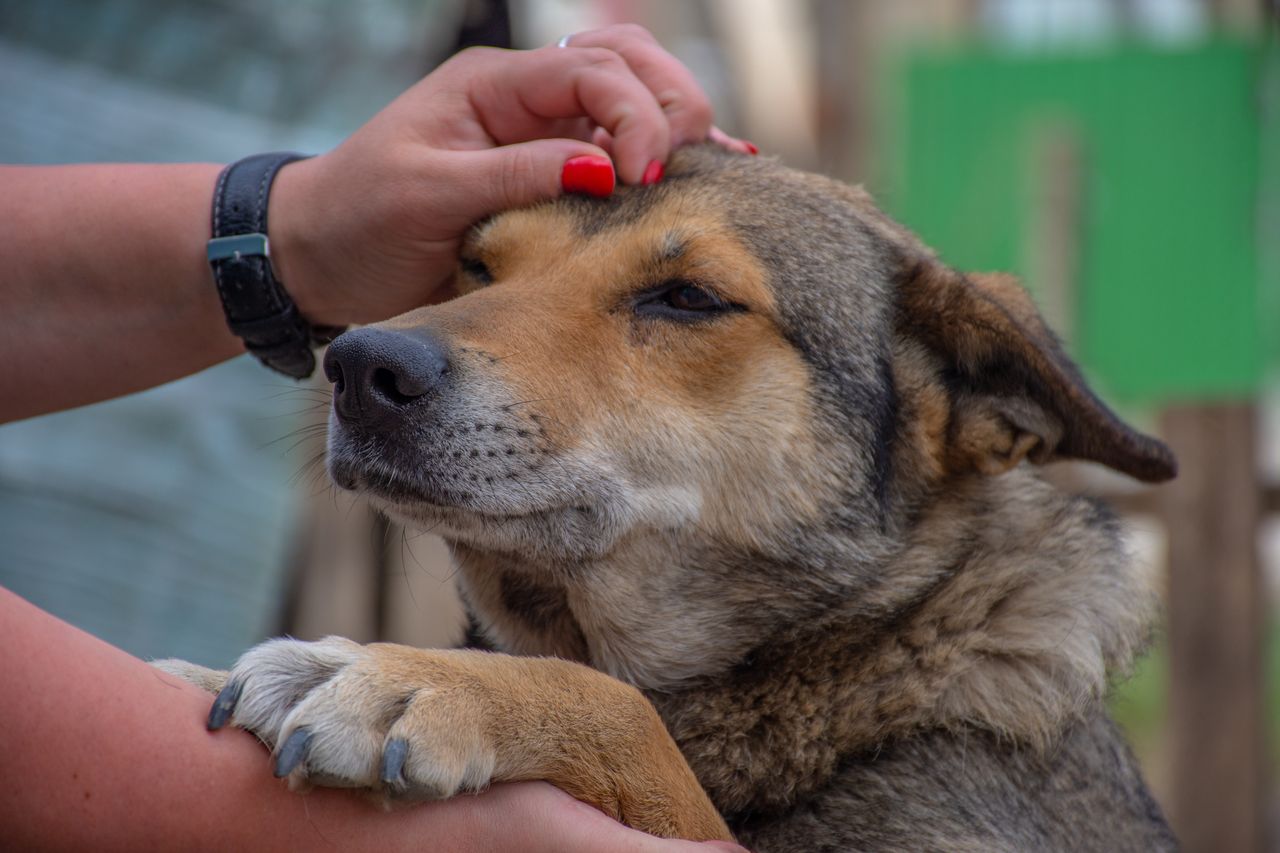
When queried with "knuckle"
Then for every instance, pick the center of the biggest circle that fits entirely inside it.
(518, 173)
(472, 57)
(478, 53)
(601, 57)
(696, 111)
(630, 31)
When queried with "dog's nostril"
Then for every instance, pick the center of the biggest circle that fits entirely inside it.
(387, 384)
(333, 372)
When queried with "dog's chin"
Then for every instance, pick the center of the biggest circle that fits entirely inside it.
(491, 522)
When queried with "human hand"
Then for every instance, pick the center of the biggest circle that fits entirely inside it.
(372, 228)
(533, 816)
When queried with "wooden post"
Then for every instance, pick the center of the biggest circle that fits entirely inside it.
(1216, 619)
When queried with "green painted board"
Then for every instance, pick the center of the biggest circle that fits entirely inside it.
(1164, 291)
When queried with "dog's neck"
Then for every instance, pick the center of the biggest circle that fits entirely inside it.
(1006, 612)
(1034, 601)
(641, 614)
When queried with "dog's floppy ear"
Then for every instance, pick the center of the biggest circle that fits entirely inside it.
(1013, 392)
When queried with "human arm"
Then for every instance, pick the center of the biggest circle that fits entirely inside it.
(101, 751)
(106, 290)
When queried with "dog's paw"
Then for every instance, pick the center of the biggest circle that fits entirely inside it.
(201, 676)
(404, 722)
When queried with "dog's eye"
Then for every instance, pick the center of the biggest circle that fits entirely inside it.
(688, 297)
(683, 300)
(477, 270)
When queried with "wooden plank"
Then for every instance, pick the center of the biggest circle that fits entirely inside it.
(1148, 501)
(1216, 618)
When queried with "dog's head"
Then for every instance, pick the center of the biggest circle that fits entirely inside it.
(741, 363)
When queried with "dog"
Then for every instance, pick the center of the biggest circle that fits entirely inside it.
(743, 484)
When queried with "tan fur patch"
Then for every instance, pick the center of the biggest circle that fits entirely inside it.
(687, 405)
(925, 411)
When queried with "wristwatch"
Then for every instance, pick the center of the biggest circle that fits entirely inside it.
(258, 308)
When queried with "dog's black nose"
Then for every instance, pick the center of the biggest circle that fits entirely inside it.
(377, 373)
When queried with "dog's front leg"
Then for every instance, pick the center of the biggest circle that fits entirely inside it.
(201, 676)
(425, 724)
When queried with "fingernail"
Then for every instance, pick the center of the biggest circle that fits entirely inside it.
(588, 174)
(652, 173)
(752, 148)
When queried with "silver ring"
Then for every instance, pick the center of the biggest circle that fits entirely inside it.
(564, 40)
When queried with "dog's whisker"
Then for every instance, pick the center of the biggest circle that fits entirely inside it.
(312, 467)
(306, 431)
(460, 565)
(509, 406)
(293, 392)
(311, 409)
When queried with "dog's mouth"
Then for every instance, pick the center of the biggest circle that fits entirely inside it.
(475, 485)
(559, 506)
(413, 495)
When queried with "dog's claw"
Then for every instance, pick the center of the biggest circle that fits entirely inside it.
(292, 752)
(224, 704)
(393, 761)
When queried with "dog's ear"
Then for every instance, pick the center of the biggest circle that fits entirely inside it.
(1013, 392)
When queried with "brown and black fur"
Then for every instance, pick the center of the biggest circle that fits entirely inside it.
(809, 527)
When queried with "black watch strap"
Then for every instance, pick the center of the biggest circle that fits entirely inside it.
(257, 307)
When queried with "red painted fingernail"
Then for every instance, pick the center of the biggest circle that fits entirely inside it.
(652, 173)
(752, 148)
(588, 174)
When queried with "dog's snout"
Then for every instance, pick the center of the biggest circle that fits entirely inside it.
(376, 373)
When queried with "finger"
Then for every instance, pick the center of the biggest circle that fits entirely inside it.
(601, 139)
(510, 176)
(518, 95)
(592, 830)
(673, 85)
(552, 820)
(719, 137)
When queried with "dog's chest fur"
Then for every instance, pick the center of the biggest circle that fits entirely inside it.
(980, 662)
(992, 657)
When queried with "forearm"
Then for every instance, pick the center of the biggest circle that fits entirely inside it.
(105, 265)
(102, 752)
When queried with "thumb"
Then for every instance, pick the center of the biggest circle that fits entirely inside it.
(528, 172)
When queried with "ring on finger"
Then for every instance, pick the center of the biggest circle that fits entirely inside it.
(564, 40)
